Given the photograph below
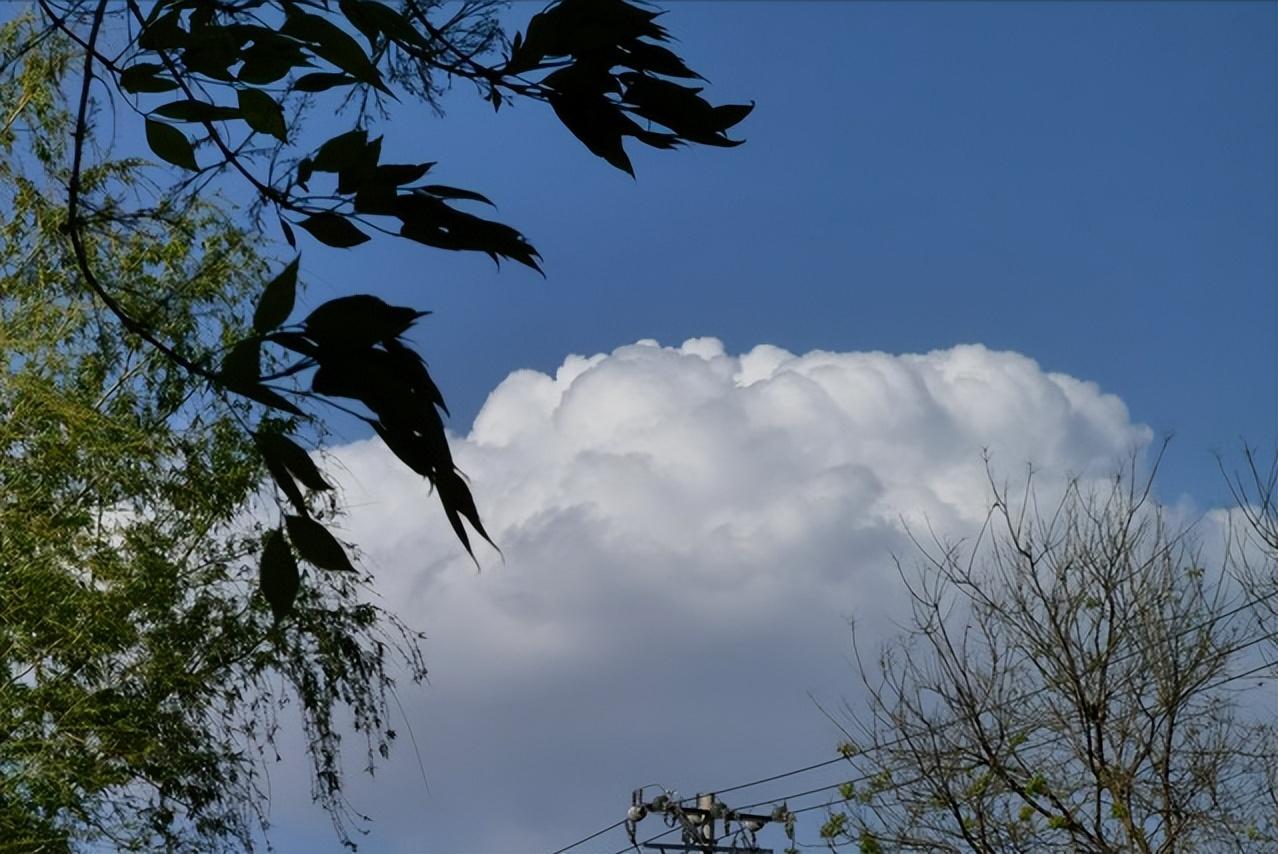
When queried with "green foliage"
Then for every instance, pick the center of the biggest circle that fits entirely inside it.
(145, 678)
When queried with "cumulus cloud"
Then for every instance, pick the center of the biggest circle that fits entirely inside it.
(686, 533)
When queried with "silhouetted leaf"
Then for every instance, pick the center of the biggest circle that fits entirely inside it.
(398, 174)
(322, 81)
(681, 109)
(412, 367)
(210, 50)
(371, 17)
(642, 56)
(357, 322)
(429, 220)
(241, 371)
(342, 152)
(445, 192)
(280, 474)
(333, 44)
(163, 33)
(144, 77)
(292, 456)
(268, 62)
(276, 303)
(578, 99)
(305, 169)
(242, 366)
(262, 113)
(459, 504)
(187, 110)
(334, 230)
(296, 342)
(171, 145)
(730, 114)
(316, 545)
(278, 579)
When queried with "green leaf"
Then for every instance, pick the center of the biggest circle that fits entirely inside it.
(276, 303)
(171, 145)
(262, 113)
(334, 230)
(316, 545)
(292, 456)
(279, 579)
(187, 110)
(142, 77)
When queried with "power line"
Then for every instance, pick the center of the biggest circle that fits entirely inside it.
(1047, 742)
(895, 786)
(586, 839)
(1016, 700)
(650, 839)
(1218, 618)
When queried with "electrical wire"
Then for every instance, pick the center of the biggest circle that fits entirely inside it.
(1218, 618)
(666, 832)
(1029, 695)
(586, 839)
(1047, 742)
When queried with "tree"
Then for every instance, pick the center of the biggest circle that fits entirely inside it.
(144, 681)
(221, 89)
(1069, 682)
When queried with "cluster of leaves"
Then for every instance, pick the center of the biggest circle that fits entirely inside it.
(220, 87)
(142, 678)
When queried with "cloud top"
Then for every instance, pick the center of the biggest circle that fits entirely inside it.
(685, 532)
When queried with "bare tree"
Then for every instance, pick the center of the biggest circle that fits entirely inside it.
(1072, 680)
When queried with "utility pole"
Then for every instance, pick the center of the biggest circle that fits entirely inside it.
(699, 824)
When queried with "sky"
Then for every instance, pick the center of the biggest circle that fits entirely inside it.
(1043, 230)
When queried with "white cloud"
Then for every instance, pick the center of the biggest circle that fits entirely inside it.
(685, 533)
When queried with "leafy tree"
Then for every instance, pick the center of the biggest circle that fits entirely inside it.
(1069, 684)
(220, 90)
(143, 679)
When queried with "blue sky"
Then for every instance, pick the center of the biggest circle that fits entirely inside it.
(1088, 186)
(1092, 185)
